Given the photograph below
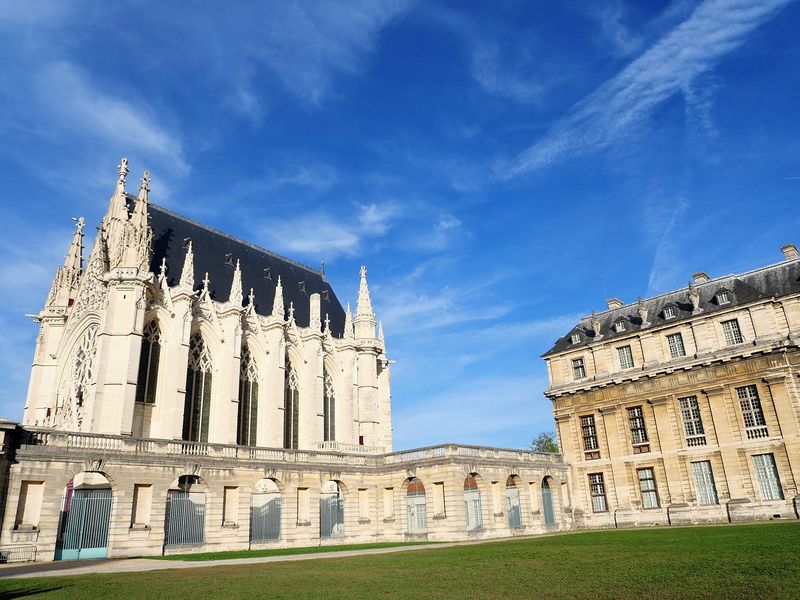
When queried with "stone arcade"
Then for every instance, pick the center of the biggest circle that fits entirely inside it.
(191, 391)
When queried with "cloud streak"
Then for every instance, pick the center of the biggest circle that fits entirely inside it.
(715, 29)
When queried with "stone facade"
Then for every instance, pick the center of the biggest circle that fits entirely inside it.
(373, 488)
(169, 412)
(684, 408)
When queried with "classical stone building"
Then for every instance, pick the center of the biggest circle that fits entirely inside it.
(684, 407)
(192, 391)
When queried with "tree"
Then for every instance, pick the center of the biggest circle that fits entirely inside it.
(545, 442)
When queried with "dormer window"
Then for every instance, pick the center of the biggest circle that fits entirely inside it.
(723, 298)
(619, 326)
(669, 312)
(575, 338)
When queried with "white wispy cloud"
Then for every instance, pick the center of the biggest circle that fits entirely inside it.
(322, 235)
(303, 44)
(83, 107)
(611, 16)
(712, 31)
(500, 77)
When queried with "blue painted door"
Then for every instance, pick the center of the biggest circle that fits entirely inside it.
(547, 504)
(84, 528)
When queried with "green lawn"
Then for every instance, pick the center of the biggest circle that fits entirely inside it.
(746, 561)
(283, 551)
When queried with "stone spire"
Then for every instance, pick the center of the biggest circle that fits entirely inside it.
(138, 238)
(327, 325)
(187, 274)
(236, 286)
(348, 323)
(116, 217)
(74, 258)
(364, 304)
(365, 318)
(277, 303)
(65, 282)
(380, 331)
(144, 187)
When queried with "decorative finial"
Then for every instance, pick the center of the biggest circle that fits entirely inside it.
(277, 302)
(363, 271)
(144, 186)
(80, 224)
(348, 323)
(327, 324)
(236, 286)
(123, 171)
(291, 311)
(322, 267)
(187, 274)
(251, 298)
(162, 271)
(206, 281)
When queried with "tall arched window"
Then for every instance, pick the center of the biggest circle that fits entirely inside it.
(198, 391)
(248, 399)
(148, 364)
(291, 401)
(328, 407)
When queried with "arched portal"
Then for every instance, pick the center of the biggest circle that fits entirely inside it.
(85, 518)
(331, 510)
(547, 503)
(186, 512)
(265, 512)
(513, 503)
(472, 502)
(416, 510)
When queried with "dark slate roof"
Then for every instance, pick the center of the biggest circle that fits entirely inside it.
(216, 252)
(776, 280)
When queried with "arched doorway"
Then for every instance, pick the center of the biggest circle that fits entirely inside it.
(547, 503)
(512, 503)
(85, 518)
(472, 502)
(265, 512)
(331, 510)
(416, 510)
(186, 512)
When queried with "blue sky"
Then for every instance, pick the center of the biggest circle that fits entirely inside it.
(501, 167)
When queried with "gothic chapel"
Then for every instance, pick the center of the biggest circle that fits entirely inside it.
(177, 331)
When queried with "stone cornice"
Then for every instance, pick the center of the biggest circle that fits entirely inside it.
(720, 356)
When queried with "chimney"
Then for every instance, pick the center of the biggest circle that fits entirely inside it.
(701, 277)
(789, 251)
(614, 303)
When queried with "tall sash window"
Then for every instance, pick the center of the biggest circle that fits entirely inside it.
(291, 401)
(198, 391)
(248, 400)
(148, 364)
(328, 407)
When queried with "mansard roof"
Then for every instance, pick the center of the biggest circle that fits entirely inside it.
(216, 252)
(773, 281)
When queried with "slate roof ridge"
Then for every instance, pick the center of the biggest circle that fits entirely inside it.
(717, 280)
(236, 239)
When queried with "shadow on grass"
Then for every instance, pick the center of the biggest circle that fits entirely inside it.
(26, 593)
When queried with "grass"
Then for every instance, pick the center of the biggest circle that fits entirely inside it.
(743, 561)
(283, 551)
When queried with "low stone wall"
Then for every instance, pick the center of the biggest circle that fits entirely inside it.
(373, 489)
